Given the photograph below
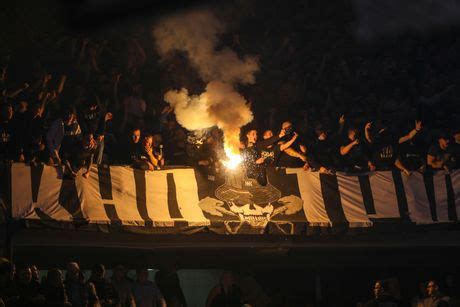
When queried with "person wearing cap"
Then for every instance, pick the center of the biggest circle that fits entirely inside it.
(441, 156)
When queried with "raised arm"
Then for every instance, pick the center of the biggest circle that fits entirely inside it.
(344, 150)
(367, 132)
(288, 144)
(412, 133)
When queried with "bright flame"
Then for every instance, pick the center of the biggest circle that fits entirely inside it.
(233, 158)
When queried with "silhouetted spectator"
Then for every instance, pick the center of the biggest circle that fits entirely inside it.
(168, 282)
(104, 289)
(123, 286)
(53, 289)
(226, 293)
(146, 292)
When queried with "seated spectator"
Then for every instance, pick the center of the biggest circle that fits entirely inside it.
(131, 147)
(169, 284)
(353, 152)
(146, 292)
(441, 156)
(53, 289)
(147, 159)
(322, 156)
(123, 286)
(226, 293)
(8, 150)
(435, 297)
(382, 297)
(78, 292)
(104, 289)
(294, 154)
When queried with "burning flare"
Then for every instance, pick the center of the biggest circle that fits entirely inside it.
(233, 158)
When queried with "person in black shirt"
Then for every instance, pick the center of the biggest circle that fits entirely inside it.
(294, 154)
(384, 145)
(147, 159)
(322, 156)
(412, 154)
(93, 120)
(441, 155)
(84, 154)
(271, 152)
(253, 161)
(354, 154)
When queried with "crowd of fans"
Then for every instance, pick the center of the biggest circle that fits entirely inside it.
(23, 285)
(385, 105)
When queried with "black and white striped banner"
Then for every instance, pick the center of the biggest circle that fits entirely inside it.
(178, 198)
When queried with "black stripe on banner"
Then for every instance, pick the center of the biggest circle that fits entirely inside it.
(68, 198)
(36, 173)
(429, 187)
(400, 195)
(42, 215)
(451, 210)
(173, 205)
(141, 196)
(105, 182)
(111, 212)
(366, 191)
(331, 198)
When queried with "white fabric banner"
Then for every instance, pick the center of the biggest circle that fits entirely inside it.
(172, 197)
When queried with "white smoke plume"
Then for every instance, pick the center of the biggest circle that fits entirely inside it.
(196, 33)
(220, 105)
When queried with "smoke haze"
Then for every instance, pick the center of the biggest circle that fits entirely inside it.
(196, 34)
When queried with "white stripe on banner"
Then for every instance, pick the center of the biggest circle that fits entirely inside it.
(92, 204)
(417, 199)
(440, 195)
(124, 196)
(384, 194)
(310, 192)
(188, 197)
(21, 191)
(157, 198)
(352, 201)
